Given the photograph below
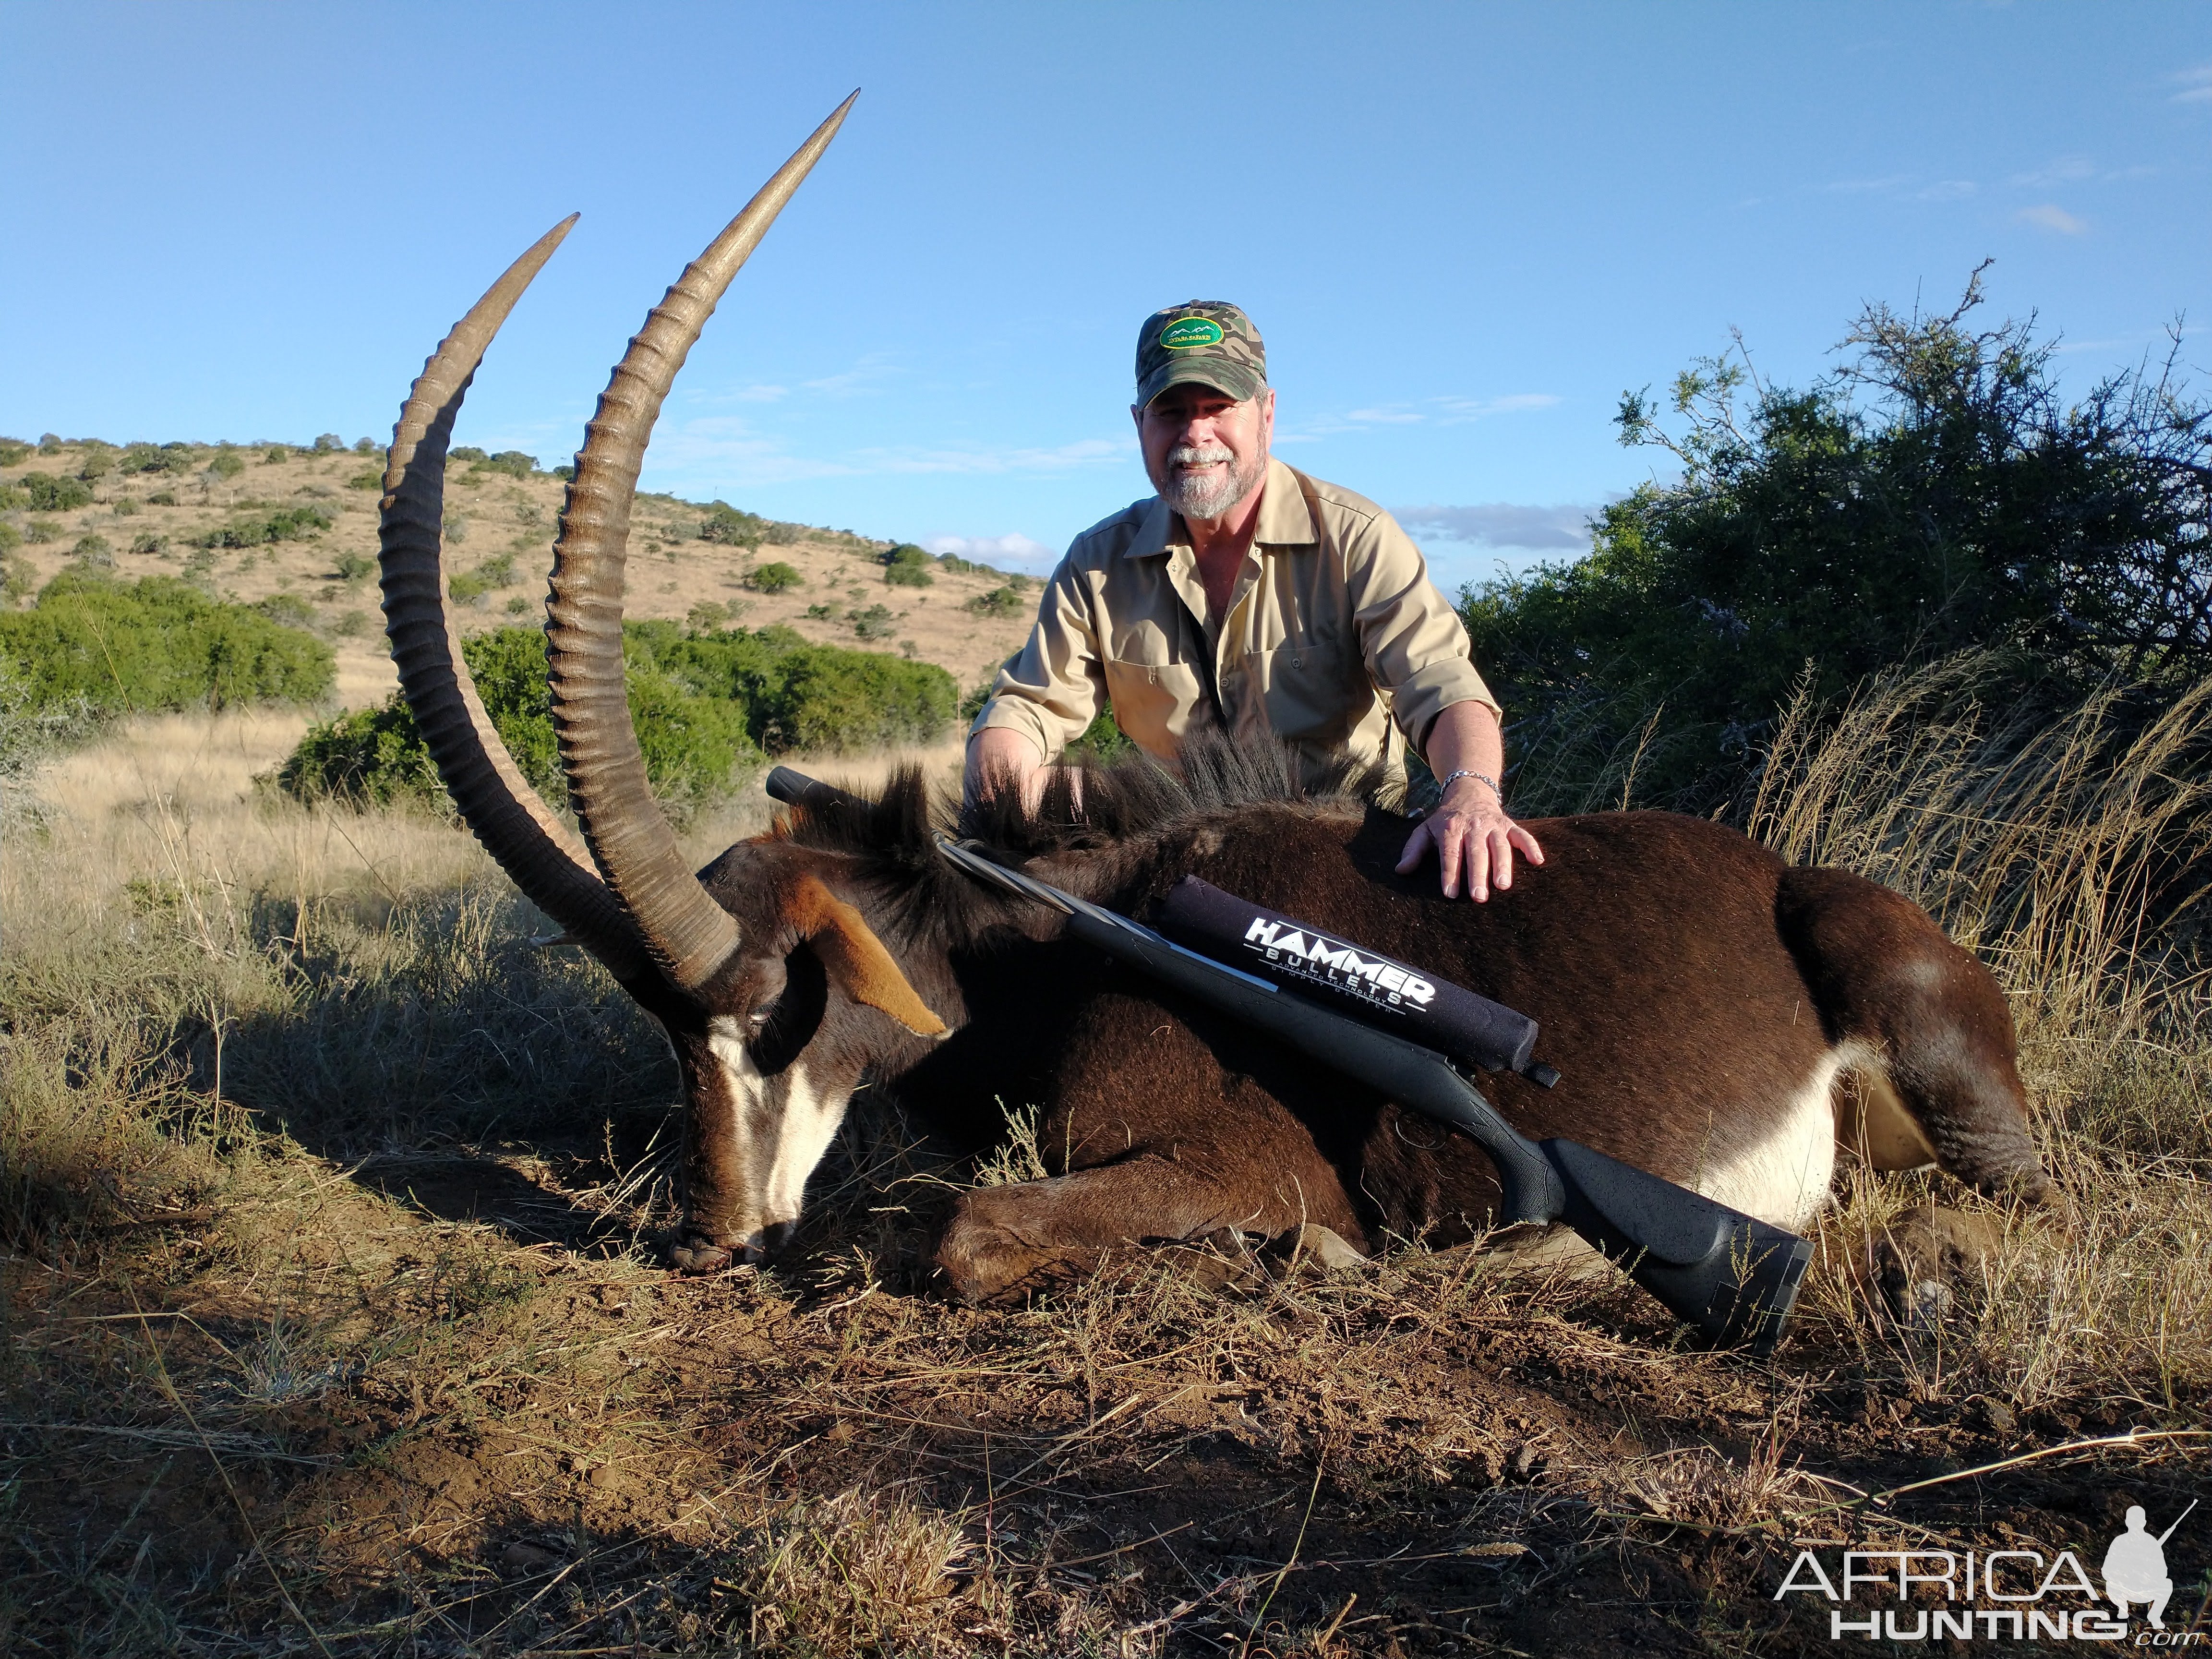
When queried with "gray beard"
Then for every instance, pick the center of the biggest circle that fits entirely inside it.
(1209, 496)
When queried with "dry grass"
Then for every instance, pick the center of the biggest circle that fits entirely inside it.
(332, 1320)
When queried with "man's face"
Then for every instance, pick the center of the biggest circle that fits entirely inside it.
(1203, 451)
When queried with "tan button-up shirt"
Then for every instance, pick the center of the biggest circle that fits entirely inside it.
(1337, 642)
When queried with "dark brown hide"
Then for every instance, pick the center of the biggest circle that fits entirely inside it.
(1693, 991)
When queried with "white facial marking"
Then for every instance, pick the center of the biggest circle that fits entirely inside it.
(786, 1122)
(809, 1119)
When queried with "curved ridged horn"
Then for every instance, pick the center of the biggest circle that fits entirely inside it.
(532, 846)
(690, 935)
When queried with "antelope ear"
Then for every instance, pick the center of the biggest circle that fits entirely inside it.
(855, 957)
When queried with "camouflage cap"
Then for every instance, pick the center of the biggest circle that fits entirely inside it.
(1209, 342)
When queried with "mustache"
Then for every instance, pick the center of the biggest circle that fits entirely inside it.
(1199, 454)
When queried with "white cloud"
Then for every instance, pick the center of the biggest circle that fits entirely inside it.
(1085, 452)
(1446, 411)
(1458, 410)
(1504, 523)
(1947, 190)
(1016, 550)
(2196, 85)
(2066, 170)
(2049, 216)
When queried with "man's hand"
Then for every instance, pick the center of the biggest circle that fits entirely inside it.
(1474, 837)
(999, 757)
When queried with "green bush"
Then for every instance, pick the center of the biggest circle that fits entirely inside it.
(364, 446)
(12, 498)
(95, 549)
(512, 462)
(97, 463)
(729, 527)
(775, 577)
(707, 706)
(14, 452)
(227, 463)
(162, 498)
(39, 530)
(9, 536)
(466, 587)
(49, 443)
(465, 452)
(275, 455)
(147, 542)
(354, 567)
(327, 442)
(875, 623)
(44, 493)
(155, 458)
(998, 602)
(1936, 494)
(124, 508)
(372, 479)
(283, 524)
(157, 643)
(907, 565)
(289, 609)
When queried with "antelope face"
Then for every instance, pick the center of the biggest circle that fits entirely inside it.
(788, 1036)
(774, 992)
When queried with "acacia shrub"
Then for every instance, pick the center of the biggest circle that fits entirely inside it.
(1935, 494)
(707, 707)
(45, 492)
(156, 643)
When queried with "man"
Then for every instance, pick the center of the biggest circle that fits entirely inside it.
(1247, 594)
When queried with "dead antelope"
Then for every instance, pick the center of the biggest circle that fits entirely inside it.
(1703, 1000)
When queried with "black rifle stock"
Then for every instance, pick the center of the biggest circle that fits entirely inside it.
(1731, 1277)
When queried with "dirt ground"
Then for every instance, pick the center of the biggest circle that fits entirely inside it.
(489, 516)
(333, 1322)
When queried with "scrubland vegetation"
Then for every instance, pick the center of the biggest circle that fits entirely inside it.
(330, 1201)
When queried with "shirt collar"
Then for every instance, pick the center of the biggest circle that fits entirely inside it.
(1284, 520)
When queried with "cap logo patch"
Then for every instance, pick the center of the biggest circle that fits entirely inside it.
(1189, 333)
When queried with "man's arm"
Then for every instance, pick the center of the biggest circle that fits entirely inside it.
(1416, 649)
(1044, 697)
(1469, 828)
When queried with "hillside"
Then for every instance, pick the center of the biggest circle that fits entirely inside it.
(299, 522)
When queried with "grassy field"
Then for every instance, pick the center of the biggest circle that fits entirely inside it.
(499, 528)
(333, 1324)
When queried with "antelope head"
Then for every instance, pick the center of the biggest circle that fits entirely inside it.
(773, 991)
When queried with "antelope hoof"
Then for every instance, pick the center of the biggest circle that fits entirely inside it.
(696, 1256)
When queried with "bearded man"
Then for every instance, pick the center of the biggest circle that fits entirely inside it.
(1248, 597)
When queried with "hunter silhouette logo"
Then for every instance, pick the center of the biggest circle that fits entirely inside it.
(2134, 1566)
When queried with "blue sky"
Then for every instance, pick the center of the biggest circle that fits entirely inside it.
(1464, 229)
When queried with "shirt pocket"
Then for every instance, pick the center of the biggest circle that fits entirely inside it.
(1301, 683)
(1154, 702)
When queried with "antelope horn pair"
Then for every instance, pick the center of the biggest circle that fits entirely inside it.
(631, 899)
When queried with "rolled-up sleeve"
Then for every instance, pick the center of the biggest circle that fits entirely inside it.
(1414, 645)
(1053, 688)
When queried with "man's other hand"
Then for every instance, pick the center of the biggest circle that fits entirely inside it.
(1000, 758)
(1473, 838)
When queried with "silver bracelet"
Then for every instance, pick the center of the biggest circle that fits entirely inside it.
(1480, 777)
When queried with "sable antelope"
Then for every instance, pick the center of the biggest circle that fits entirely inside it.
(1702, 998)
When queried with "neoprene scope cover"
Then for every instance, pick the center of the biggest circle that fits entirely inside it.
(1392, 996)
